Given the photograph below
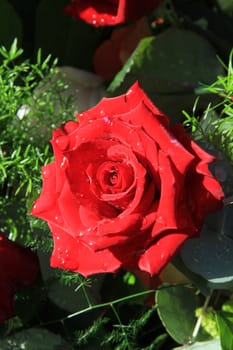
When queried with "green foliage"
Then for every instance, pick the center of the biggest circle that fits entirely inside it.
(169, 67)
(215, 125)
(34, 339)
(83, 336)
(216, 266)
(32, 103)
(225, 325)
(129, 336)
(176, 304)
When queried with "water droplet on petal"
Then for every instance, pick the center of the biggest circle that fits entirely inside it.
(162, 256)
(64, 162)
(62, 142)
(161, 220)
(58, 219)
(107, 120)
(46, 173)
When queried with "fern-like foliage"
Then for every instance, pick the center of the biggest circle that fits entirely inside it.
(215, 125)
(32, 103)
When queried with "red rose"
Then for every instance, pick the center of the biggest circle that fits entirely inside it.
(18, 268)
(109, 12)
(126, 189)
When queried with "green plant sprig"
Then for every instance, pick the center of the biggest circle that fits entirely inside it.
(215, 125)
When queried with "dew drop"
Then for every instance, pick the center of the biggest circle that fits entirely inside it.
(64, 162)
(62, 142)
(94, 21)
(161, 220)
(81, 234)
(46, 173)
(107, 120)
(175, 141)
(58, 219)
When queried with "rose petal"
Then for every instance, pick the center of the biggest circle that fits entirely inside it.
(72, 254)
(159, 254)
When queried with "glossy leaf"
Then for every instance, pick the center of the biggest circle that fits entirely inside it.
(211, 255)
(176, 304)
(225, 325)
(34, 339)
(169, 68)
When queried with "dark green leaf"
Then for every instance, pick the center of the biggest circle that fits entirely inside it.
(176, 304)
(10, 24)
(225, 325)
(211, 255)
(169, 67)
(34, 339)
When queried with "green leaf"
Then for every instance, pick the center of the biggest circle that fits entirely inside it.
(176, 304)
(70, 298)
(211, 255)
(10, 24)
(207, 345)
(226, 5)
(169, 67)
(72, 41)
(225, 325)
(33, 339)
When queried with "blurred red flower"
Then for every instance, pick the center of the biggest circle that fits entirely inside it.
(18, 268)
(109, 12)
